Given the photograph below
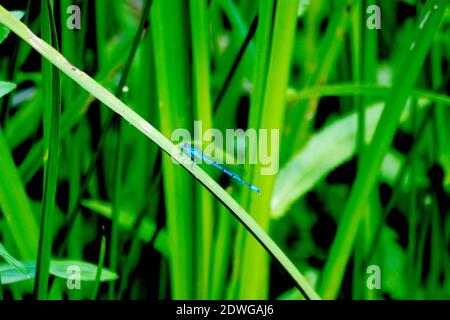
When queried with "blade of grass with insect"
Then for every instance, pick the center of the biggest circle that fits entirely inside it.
(52, 118)
(133, 118)
(406, 75)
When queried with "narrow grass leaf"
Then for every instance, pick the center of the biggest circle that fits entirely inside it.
(4, 32)
(6, 87)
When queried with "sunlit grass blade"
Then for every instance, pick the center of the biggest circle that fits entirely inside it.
(253, 285)
(202, 112)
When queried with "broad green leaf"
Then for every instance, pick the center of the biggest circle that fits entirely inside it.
(324, 152)
(6, 87)
(58, 268)
(5, 31)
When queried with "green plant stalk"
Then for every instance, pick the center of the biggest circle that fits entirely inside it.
(172, 82)
(238, 22)
(165, 144)
(419, 246)
(441, 134)
(74, 245)
(370, 163)
(441, 116)
(101, 27)
(263, 41)
(100, 265)
(220, 255)
(436, 249)
(356, 29)
(254, 285)
(52, 120)
(71, 49)
(115, 216)
(202, 111)
(412, 212)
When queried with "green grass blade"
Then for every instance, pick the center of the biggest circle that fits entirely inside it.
(165, 144)
(172, 78)
(253, 285)
(52, 119)
(202, 112)
(6, 87)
